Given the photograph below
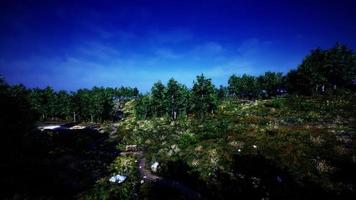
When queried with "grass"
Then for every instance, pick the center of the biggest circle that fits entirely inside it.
(308, 141)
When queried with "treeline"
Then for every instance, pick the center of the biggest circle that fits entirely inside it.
(324, 71)
(176, 100)
(321, 72)
(97, 104)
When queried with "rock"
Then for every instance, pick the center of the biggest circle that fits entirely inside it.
(198, 148)
(50, 127)
(237, 144)
(117, 179)
(131, 148)
(279, 179)
(77, 127)
(195, 162)
(175, 148)
(154, 167)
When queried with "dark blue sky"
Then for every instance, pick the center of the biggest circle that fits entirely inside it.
(74, 44)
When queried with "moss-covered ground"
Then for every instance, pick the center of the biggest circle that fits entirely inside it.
(282, 148)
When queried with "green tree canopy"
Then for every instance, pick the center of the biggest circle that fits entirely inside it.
(158, 101)
(222, 92)
(323, 70)
(203, 96)
(270, 83)
(177, 99)
(143, 107)
(244, 86)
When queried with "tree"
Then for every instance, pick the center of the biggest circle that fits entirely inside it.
(97, 100)
(340, 66)
(271, 83)
(203, 96)
(244, 86)
(297, 83)
(16, 119)
(158, 101)
(233, 87)
(222, 92)
(248, 87)
(108, 104)
(176, 98)
(184, 107)
(143, 107)
(63, 105)
(36, 102)
(48, 102)
(84, 104)
(75, 105)
(135, 92)
(312, 71)
(324, 70)
(173, 98)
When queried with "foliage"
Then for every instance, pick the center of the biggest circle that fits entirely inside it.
(177, 99)
(158, 101)
(271, 83)
(203, 97)
(96, 104)
(103, 189)
(16, 121)
(172, 101)
(279, 146)
(222, 92)
(143, 107)
(244, 86)
(295, 140)
(324, 70)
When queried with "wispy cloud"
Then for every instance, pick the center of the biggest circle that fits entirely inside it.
(166, 53)
(100, 63)
(170, 37)
(98, 50)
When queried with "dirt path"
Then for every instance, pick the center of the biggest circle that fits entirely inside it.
(147, 175)
(112, 133)
(145, 172)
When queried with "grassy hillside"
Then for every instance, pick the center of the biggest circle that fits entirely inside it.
(286, 147)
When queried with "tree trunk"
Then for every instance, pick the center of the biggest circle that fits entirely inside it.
(74, 117)
(91, 118)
